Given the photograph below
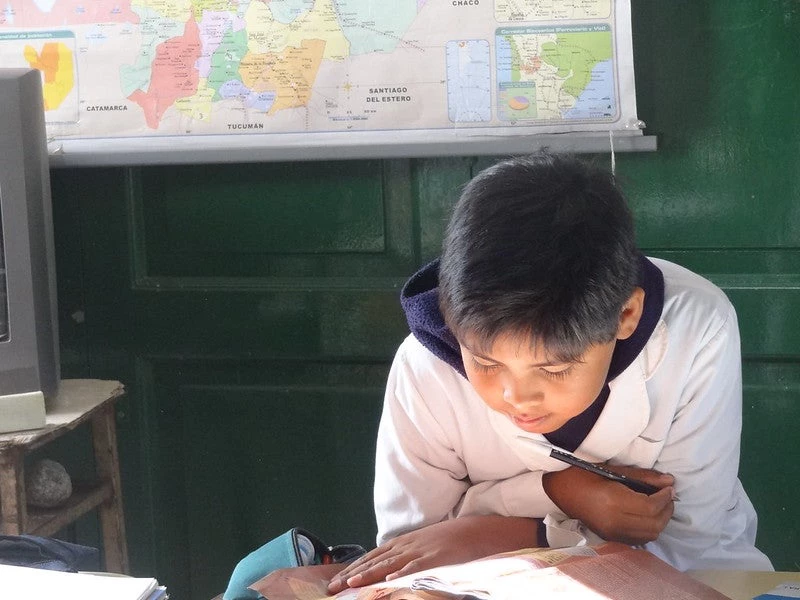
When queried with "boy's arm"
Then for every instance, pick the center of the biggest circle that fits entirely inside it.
(449, 542)
(419, 477)
(610, 509)
(702, 452)
(521, 495)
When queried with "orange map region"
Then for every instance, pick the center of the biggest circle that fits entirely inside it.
(25, 13)
(289, 74)
(55, 63)
(173, 74)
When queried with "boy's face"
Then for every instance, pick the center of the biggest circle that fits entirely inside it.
(536, 393)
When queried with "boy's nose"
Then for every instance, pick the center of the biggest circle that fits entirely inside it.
(518, 396)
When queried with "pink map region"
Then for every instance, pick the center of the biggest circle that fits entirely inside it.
(25, 13)
(173, 74)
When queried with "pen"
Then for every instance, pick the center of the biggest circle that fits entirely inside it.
(548, 450)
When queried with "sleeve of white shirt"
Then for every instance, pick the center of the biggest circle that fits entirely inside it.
(702, 450)
(520, 496)
(419, 477)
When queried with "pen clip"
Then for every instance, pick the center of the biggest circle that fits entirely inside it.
(541, 446)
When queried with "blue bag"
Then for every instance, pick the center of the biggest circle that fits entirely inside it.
(297, 547)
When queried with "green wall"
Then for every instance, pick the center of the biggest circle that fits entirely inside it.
(251, 310)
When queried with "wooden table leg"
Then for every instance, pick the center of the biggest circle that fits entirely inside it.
(13, 508)
(112, 519)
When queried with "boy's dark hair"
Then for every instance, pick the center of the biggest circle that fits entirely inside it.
(540, 246)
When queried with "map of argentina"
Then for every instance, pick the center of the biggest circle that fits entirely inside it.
(117, 68)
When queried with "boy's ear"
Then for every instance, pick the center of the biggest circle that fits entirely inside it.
(631, 313)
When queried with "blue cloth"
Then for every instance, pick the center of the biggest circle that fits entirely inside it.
(46, 553)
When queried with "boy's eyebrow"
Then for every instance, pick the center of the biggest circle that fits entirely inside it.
(540, 364)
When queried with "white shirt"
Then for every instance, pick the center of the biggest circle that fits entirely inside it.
(442, 453)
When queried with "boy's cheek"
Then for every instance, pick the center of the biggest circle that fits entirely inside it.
(485, 386)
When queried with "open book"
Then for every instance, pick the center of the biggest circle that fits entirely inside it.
(608, 571)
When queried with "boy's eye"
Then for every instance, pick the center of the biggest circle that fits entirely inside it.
(559, 373)
(483, 366)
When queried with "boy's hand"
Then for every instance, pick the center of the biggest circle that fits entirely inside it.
(610, 509)
(449, 542)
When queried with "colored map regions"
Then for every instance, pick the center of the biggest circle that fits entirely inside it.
(575, 55)
(162, 68)
(54, 54)
(286, 11)
(469, 81)
(555, 73)
(551, 10)
(372, 26)
(172, 75)
(265, 56)
(55, 62)
(266, 34)
(60, 13)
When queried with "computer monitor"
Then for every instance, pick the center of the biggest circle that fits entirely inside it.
(29, 356)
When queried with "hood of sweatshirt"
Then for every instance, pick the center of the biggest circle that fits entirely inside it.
(420, 301)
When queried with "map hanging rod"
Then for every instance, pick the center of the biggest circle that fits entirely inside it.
(173, 150)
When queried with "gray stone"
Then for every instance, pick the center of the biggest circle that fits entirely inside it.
(47, 484)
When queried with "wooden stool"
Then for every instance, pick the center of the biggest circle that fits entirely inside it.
(78, 401)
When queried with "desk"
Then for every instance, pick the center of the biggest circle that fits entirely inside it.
(744, 585)
(78, 401)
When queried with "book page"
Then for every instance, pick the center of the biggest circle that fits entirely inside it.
(637, 574)
(41, 584)
(494, 576)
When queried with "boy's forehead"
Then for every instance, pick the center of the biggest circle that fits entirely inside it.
(517, 344)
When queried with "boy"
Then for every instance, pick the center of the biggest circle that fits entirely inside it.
(543, 320)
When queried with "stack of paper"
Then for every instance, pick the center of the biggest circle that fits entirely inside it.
(40, 584)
